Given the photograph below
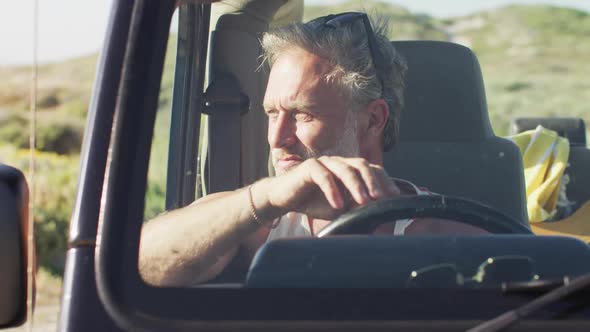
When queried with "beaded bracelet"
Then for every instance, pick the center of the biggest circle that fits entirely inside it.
(252, 208)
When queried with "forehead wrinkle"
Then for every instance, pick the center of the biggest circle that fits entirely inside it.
(301, 96)
(302, 93)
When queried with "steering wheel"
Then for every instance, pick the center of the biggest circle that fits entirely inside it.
(364, 219)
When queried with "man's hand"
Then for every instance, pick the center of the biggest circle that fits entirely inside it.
(326, 187)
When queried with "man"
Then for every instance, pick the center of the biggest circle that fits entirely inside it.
(333, 99)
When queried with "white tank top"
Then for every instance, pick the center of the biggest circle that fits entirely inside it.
(295, 224)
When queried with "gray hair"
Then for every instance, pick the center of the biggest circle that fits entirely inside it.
(348, 52)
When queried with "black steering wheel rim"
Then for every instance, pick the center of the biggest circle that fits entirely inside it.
(364, 219)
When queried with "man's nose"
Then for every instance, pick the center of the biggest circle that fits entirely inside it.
(281, 131)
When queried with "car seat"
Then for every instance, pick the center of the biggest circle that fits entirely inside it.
(574, 130)
(233, 146)
(446, 141)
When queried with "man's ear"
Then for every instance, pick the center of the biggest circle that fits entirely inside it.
(378, 112)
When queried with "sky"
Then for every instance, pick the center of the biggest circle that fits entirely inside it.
(71, 28)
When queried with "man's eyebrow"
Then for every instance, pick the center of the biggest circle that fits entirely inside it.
(307, 106)
(291, 106)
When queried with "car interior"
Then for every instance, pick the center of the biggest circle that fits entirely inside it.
(446, 140)
(446, 144)
(344, 279)
(446, 124)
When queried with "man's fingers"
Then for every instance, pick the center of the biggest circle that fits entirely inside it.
(350, 178)
(346, 182)
(372, 178)
(324, 179)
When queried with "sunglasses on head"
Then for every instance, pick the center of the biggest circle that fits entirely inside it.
(336, 21)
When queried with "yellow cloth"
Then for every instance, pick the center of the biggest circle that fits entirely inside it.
(544, 156)
(576, 225)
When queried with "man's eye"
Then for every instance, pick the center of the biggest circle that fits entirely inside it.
(272, 114)
(301, 116)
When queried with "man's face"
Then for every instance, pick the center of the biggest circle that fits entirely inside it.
(308, 117)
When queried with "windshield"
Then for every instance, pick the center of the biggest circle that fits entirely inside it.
(429, 150)
(478, 126)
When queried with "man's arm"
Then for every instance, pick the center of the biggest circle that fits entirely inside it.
(195, 243)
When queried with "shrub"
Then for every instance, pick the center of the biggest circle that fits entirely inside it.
(14, 129)
(48, 100)
(77, 108)
(55, 133)
(155, 198)
(62, 136)
(518, 86)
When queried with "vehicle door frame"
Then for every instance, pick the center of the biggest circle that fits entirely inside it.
(118, 207)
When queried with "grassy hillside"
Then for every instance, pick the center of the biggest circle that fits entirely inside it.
(60, 85)
(534, 32)
(63, 98)
(534, 60)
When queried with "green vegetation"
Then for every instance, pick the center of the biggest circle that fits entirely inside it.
(54, 191)
(58, 134)
(62, 107)
(534, 60)
(156, 190)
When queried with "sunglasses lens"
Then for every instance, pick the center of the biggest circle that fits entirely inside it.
(343, 19)
(316, 22)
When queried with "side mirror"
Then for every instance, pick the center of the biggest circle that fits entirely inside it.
(14, 200)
